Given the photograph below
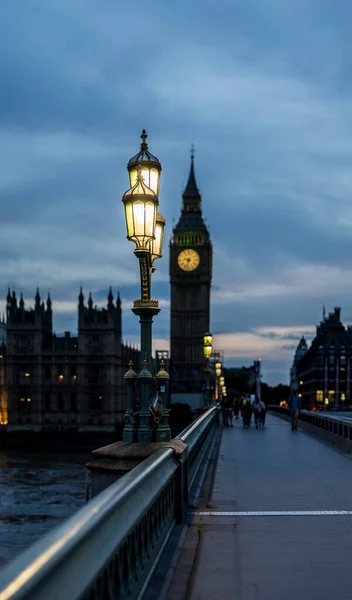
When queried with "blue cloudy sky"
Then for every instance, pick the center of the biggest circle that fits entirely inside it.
(263, 89)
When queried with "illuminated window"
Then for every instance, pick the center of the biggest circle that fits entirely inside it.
(27, 374)
(319, 395)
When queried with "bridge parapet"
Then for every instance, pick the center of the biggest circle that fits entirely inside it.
(108, 548)
(333, 428)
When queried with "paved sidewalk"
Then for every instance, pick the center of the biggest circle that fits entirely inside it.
(281, 557)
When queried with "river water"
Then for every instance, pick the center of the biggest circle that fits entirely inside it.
(37, 491)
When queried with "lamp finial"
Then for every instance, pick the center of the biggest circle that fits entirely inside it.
(144, 136)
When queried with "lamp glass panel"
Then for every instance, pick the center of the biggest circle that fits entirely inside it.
(150, 215)
(157, 242)
(138, 218)
(129, 219)
(154, 181)
(133, 177)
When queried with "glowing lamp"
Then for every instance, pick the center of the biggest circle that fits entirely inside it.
(218, 372)
(156, 245)
(141, 206)
(208, 339)
(148, 164)
(222, 380)
(208, 350)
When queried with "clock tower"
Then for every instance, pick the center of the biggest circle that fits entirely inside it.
(190, 278)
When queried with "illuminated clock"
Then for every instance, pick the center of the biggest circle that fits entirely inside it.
(188, 260)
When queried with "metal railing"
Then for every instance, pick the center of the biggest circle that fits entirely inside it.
(195, 436)
(324, 423)
(107, 549)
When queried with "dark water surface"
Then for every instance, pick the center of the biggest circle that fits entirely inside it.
(37, 491)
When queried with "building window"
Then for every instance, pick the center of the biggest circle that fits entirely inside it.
(47, 401)
(60, 402)
(24, 402)
(331, 396)
(319, 396)
(47, 372)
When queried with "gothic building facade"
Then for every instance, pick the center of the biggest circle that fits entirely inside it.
(324, 370)
(190, 278)
(65, 382)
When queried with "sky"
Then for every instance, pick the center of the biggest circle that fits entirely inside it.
(263, 90)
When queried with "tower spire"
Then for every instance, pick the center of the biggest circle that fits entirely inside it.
(37, 299)
(80, 297)
(90, 301)
(110, 297)
(191, 195)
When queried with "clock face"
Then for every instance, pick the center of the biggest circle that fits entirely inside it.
(188, 260)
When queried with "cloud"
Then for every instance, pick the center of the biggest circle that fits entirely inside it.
(264, 92)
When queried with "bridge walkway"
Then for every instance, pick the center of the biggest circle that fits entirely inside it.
(227, 552)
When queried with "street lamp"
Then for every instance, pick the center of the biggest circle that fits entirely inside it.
(218, 369)
(145, 227)
(207, 350)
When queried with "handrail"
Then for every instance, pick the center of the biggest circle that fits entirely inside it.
(108, 547)
(187, 432)
(134, 492)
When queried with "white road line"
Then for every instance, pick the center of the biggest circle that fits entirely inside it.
(272, 513)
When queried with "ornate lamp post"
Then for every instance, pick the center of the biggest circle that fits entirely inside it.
(218, 369)
(207, 349)
(145, 227)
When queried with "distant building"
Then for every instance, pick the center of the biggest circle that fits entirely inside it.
(324, 371)
(68, 382)
(300, 352)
